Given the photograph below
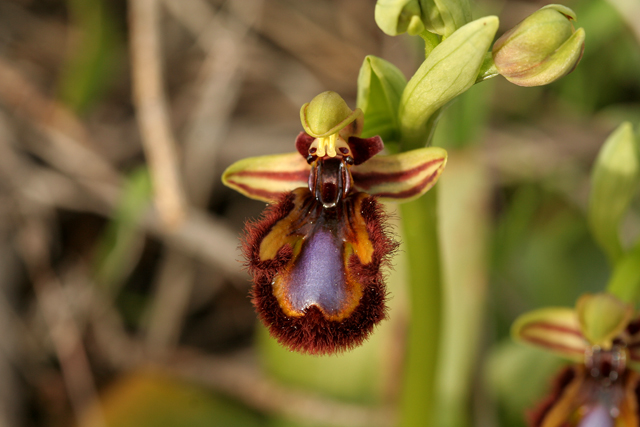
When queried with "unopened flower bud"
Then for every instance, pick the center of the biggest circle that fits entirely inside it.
(441, 17)
(541, 49)
(399, 16)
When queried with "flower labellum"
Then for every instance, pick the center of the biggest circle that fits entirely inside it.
(316, 254)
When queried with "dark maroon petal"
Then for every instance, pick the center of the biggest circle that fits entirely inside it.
(364, 148)
(303, 142)
(631, 339)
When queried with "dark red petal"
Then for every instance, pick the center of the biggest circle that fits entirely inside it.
(303, 142)
(364, 148)
(312, 332)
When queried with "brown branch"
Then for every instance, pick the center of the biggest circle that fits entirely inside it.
(216, 92)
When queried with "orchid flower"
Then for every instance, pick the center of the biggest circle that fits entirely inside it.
(601, 336)
(316, 253)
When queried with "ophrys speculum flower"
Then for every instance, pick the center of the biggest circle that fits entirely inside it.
(316, 253)
(602, 388)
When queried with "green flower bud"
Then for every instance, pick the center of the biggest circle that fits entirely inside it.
(441, 17)
(399, 16)
(450, 69)
(541, 49)
(327, 114)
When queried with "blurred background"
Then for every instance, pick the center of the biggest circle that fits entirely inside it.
(113, 315)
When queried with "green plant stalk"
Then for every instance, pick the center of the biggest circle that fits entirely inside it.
(464, 281)
(625, 280)
(430, 41)
(420, 234)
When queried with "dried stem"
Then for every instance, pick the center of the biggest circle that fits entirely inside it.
(152, 111)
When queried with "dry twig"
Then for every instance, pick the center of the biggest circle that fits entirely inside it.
(152, 111)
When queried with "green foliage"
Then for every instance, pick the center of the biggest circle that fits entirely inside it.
(625, 280)
(615, 178)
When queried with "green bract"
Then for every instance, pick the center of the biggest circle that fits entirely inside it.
(327, 114)
(380, 86)
(614, 180)
(540, 49)
(450, 69)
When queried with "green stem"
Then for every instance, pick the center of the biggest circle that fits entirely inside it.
(422, 137)
(488, 68)
(625, 280)
(431, 40)
(420, 226)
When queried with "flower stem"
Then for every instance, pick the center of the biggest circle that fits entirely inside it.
(421, 244)
(625, 280)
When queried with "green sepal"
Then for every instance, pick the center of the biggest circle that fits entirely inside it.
(265, 178)
(327, 114)
(614, 181)
(555, 329)
(401, 177)
(602, 317)
(380, 86)
(450, 69)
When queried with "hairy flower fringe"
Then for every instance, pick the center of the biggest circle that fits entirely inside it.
(312, 333)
